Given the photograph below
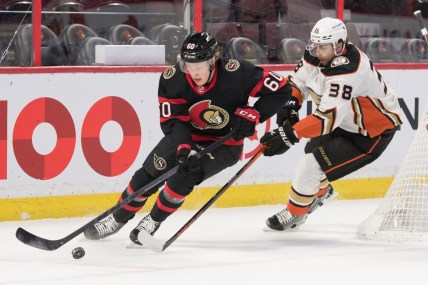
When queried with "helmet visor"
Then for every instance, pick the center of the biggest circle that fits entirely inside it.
(196, 67)
(313, 47)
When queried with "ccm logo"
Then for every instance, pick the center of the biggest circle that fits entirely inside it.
(251, 116)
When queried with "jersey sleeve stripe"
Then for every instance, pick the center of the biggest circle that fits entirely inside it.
(308, 127)
(172, 101)
(328, 119)
(372, 118)
(261, 83)
(393, 117)
(181, 118)
(317, 124)
(358, 117)
(258, 87)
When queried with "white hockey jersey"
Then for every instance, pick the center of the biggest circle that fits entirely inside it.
(349, 93)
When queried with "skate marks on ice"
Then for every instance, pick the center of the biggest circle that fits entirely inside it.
(226, 246)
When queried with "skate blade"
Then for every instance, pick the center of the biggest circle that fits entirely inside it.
(332, 196)
(132, 245)
(267, 229)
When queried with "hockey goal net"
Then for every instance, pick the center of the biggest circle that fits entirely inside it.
(403, 213)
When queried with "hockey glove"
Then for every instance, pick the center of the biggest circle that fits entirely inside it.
(279, 140)
(187, 161)
(244, 122)
(289, 113)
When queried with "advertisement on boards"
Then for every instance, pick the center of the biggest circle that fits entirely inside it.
(84, 133)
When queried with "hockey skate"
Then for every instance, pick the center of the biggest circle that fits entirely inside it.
(147, 224)
(320, 200)
(284, 220)
(103, 228)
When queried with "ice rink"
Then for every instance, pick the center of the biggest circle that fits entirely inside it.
(224, 246)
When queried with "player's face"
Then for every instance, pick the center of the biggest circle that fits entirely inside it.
(324, 52)
(200, 71)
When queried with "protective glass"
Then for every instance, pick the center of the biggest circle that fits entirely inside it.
(195, 68)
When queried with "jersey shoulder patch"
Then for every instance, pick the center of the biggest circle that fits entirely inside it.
(169, 72)
(345, 63)
(339, 61)
(232, 65)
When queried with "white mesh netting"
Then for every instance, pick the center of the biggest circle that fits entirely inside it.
(403, 212)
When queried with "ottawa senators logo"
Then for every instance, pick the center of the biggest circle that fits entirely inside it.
(232, 65)
(159, 162)
(169, 72)
(203, 115)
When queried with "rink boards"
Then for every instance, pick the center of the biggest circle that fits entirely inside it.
(71, 140)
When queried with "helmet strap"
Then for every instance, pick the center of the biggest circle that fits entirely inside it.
(212, 67)
(335, 48)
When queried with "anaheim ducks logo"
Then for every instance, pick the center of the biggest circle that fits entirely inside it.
(339, 61)
(203, 116)
(159, 162)
(169, 72)
(232, 65)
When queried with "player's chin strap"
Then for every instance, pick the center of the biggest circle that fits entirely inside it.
(212, 68)
(157, 245)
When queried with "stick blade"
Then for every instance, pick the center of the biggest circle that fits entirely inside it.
(150, 242)
(37, 242)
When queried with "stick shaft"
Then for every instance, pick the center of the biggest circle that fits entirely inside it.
(45, 244)
(214, 198)
(422, 26)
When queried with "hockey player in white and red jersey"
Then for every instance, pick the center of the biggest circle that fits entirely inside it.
(356, 118)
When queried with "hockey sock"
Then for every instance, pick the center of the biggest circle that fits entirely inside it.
(298, 204)
(128, 211)
(322, 191)
(167, 203)
(323, 187)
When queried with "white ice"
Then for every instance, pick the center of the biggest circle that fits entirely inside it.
(224, 246)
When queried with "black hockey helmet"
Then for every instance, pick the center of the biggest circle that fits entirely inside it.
(198, 47)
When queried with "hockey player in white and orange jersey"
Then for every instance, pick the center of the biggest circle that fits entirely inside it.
(356, 118)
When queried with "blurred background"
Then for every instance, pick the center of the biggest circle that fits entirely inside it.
(264, 32)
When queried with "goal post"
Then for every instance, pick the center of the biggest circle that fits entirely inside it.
(403, 213)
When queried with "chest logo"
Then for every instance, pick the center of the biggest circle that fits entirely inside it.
(232, 65)
(203, 116)
(341, 60)
(169, 72)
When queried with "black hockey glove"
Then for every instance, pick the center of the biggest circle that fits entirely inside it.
(279, 140)
(187, 161)
(244, 122)
(289, 113)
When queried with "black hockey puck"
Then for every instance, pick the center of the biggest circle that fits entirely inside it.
(78, 252)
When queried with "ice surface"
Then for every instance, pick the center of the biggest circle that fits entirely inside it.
(224, 246)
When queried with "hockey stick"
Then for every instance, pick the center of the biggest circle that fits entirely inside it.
(6, 51)
(421, 22)
(159, 246)
(46, 244)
